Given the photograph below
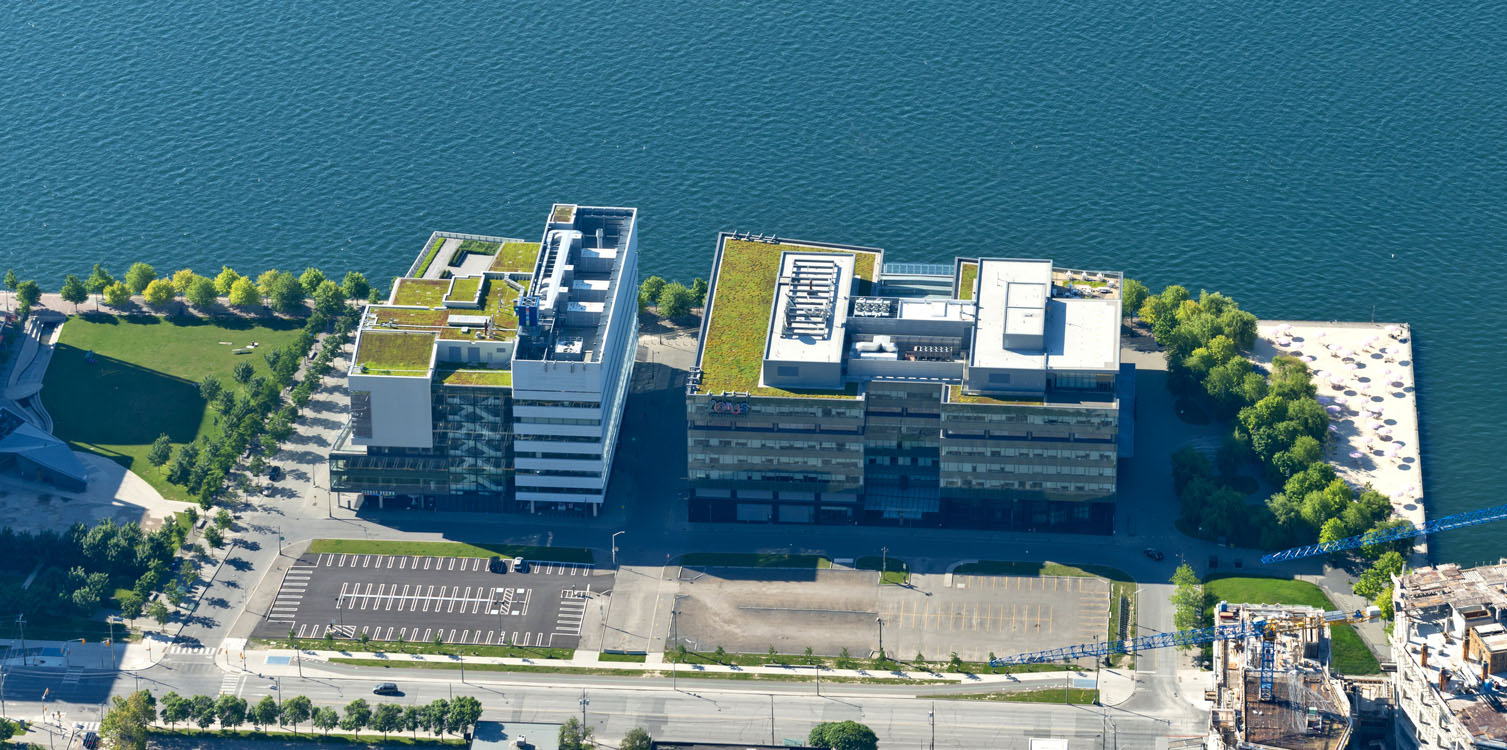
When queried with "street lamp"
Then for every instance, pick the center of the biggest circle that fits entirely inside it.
(584, 703)
(884, 564)
(880, 620)
(615, 535)
(931, 718)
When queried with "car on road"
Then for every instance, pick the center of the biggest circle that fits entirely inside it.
(519, 565)
(1154, 553)
(91, 741)
(386, 688)
(275, 473)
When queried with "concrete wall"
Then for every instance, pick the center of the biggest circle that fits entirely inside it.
(400, 409)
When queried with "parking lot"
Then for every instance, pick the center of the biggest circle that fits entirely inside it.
(423, 598)
(747, 611)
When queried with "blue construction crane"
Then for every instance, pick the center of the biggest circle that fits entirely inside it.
(1266, 630)
(1445, 523)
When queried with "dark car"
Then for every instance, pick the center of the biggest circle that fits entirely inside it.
(496, 565)
(91, 741)
(1154, 553)
(275, 473)
(386, 688)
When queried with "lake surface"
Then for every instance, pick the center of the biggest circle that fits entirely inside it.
(1324, 162)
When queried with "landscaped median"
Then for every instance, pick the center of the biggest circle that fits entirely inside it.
(449, 549)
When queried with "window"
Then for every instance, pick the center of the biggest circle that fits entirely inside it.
(788, 371)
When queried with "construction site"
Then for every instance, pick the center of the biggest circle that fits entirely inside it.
(1273, 687)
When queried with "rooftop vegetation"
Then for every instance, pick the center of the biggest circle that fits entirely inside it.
(434, 249)
(516, 257)
(395, 352)
(474, 247)
(422, 292)
(465, 289)
(563, 213)
(956, 395)
(499, 305)
(474, 376)
(399, 316)
(733, 353)
(966, 280)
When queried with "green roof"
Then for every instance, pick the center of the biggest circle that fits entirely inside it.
(395, 353)
(474, 376)
(966, 278)
(421, 292)
(499, 304)
(955, 395)
(733, 353)
(563, 213)
(516, 257)
(465, 289)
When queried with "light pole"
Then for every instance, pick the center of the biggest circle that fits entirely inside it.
(880, 620)
(21, 623)
(584, 703)
(615, 535)
(931, 718)
(675, 661)
(884, 566)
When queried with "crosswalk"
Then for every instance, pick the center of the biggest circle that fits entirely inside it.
(188, 650)
(290, 593)
(231, 684)
(572, 611)
(439, 564)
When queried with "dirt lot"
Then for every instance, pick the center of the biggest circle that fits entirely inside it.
(746, 610)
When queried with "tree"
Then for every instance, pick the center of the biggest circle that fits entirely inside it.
(264, 713)
(1384, 602)
(202, 707)
(1187, 598)
(159, 292)
(201, 293)
(28, 294)
(182, 278)
(387, 718)
(10, 279)
(354, 285)
(328, 297)
(225, 280)
(117, 295)
(138, 276)
(175, 708)
(698, 292)
(243, 372)
(674, 300)
(231, 710)
(310, 280)
(1133, 294)
(358, 714)
(214, 536)
(98, 279)
(281, 290)
(574, 735)
(295, 711)
(161, 450)
(223, 519)
(1378, 577)
(127, 722)
(326, 719)
(648, 291)
(8, 729)
(158, 611)
(437, 716)
(413, 718)
(464, 712)
(636, 738)
(210, 387)
(843, 735)
(74, 291)
(244, 294)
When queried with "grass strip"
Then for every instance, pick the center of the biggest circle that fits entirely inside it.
(895, 571)
(336, 738)
(411, 647)
(450, 549)
(682, 673)
(434, 249)
(752, 560)
(629, 658)
(1074, 696)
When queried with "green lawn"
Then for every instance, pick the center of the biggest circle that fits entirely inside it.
(395, 352)
(895, 570)
(1348, 653)
(308, 733)
(966, 280)
(144, 381)
(465, 289)
(450, 549)
(421, 292)
(752, 560)
(416, 647)
(630, 658)
(434, 249)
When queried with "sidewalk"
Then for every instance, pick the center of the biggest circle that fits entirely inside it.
(92, 656)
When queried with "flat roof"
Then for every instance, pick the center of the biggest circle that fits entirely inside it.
(1022, 325)
(739, 300)
(808, 322)
(406, 353)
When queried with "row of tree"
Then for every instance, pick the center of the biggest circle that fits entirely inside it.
(279, 290)
(672, 299)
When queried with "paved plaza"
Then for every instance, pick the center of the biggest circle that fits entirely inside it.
(749, 610)
(424, 598)
(1364, 376)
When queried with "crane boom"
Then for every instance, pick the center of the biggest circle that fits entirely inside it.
(1266, 629)
(1445, 523)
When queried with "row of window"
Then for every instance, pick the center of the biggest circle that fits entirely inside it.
(557, 473)
(1016, 484)
(562, 438)
(1089, 419)
(558, 404)
(553, 420)
(988, 468)
(562, 490)
(825, 445)
(996, 452)
(745, 460)
(568, 456)
(759, 476)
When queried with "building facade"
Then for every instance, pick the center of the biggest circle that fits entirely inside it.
(1449, 642)
(830, 387)
(495, 375)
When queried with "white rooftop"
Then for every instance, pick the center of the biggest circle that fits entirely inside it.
(809, 320)
(1021, 326)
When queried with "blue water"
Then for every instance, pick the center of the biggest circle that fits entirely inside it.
(1314, 162)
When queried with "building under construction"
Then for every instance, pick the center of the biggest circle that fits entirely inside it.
(1304, 707)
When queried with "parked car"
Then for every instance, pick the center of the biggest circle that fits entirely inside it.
(91, 741)
(519, 565)
(1154, 553)
(386, 688)
(496, 565)
(275, 473)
